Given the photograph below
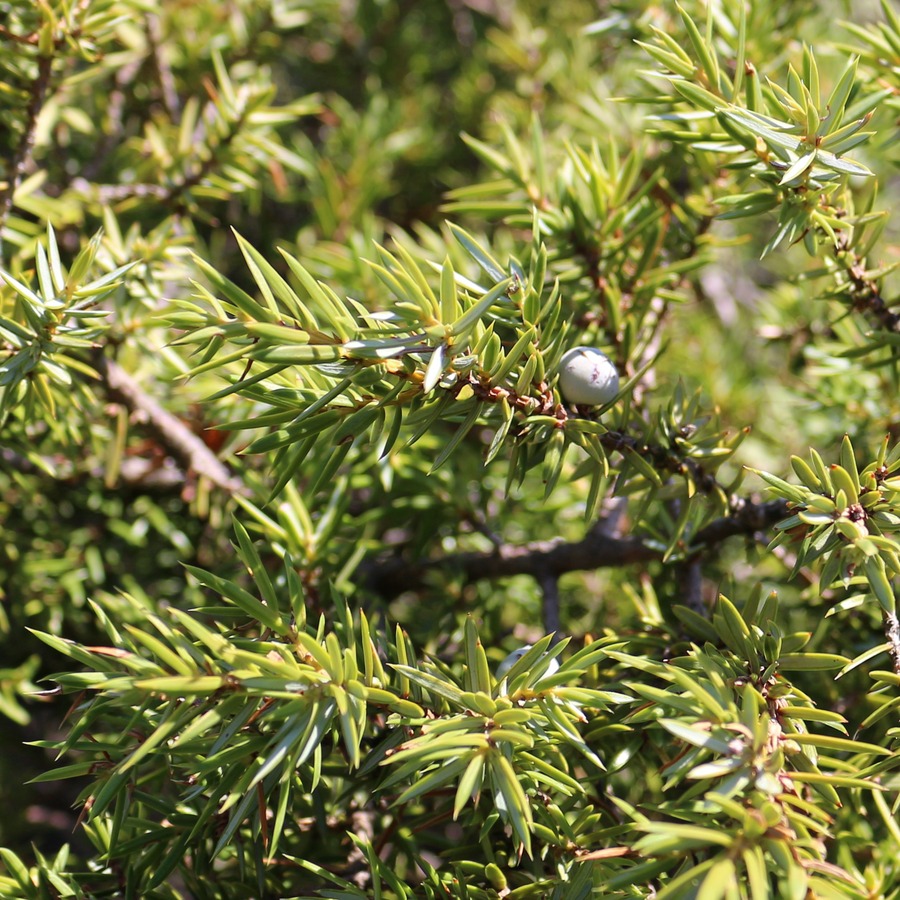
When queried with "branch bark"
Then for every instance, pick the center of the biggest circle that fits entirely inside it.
(892, 633)
(545, 559)
(37, 94)
(549, 585)
(173, 435)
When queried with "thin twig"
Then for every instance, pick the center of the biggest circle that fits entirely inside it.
(37, 94)
(112, 134)
(146, 475)
(156, 41)
(362, 824)
(14, 461)
(173, 435)
(863, 290)
(745, 518)
(892, 633)
(172, 194)
(115, 193)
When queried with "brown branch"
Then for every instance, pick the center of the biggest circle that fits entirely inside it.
(549, 585)
(112, 133)
(660, 457)
(156, 42)
(690, 586)
(595, 551)
(28, 39)
(545, 559)
(745, 518)
(38, 92)
(11, 460)
(892, 633)
(115, 193)
(171, 194)
(145, 475)
(863, 291)
(173, 435)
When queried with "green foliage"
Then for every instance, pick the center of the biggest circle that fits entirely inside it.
(50, 325)
(326, 589)
(845, 517)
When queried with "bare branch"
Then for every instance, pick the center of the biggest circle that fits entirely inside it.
(17, 462)
(746, 518)
(184, 446)
(549, 585)
(112, 132)
(892, 633)
(690, 586)
(543, 559)
(594, 551)
(37, 94)
(156, 41)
